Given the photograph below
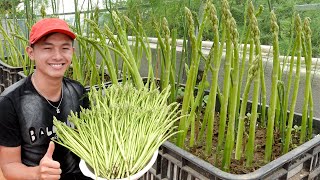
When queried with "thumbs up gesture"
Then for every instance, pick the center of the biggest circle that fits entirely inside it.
(48, 168)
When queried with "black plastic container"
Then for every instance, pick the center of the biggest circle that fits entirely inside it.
(175, 163)
(8, 75)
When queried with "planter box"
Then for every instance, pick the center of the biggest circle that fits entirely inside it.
(8, 75)
(302, 162)
(175, 163)
(21, 75)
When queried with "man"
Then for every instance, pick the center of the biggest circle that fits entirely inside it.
(27, 108)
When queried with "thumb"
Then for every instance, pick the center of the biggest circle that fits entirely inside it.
(50, 150)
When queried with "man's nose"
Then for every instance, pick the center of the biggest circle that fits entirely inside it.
(57, 54)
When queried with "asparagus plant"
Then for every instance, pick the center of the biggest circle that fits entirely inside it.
(247, 40)
(297, 49)
(208, 119)
(255, 33)
(141, 38)
(101, 46)
(252, 75)
(289, 81)
(227, 82)
(124, 48)
(209, 14)
(308, 59)
(233, 111)
(310, 112)
(273, 96)
(250, 146)
(191, 75)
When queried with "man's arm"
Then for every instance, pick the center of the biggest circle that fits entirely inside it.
(12, 167)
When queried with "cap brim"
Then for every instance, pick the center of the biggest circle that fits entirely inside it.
(63, 31)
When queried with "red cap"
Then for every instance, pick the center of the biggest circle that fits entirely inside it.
(47, 26)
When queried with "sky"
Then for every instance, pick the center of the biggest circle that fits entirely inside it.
(69, 6)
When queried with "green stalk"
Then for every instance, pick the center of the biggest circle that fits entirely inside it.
(173, 66)
(2, 47)
(184, 56)
(243, 64)
(190, 78)
(167, 55)
(140, 33)
(250, 77)
(273, 96)
(289, 80)
(208, 119)
(77, 66)
(104, 52)
(233, 100)
(123, 49)
(254, 113)
(124, 41)
(310, 121)
(77, 23)
(282, 122)
(263, 90)
(227, 78)
(290, 47)
(27, 64)
(13, 51)
(254, 42)
(137, 50)
(244, 51)
(160, 47)
(256, 36)
(189, 88)
(308, 61)
(84, 67)
(199, 98)
(298, 48)
(253, 70)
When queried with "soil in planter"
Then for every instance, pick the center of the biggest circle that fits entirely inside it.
(238, 166)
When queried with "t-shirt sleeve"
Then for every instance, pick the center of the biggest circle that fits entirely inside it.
(9, 125)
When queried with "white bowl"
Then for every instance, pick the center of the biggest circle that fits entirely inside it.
(85, 170)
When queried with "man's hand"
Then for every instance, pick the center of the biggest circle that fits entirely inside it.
(48, 168)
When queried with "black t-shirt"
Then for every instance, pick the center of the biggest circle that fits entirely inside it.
(26, 121)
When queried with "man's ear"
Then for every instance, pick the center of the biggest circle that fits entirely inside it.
(30, 52)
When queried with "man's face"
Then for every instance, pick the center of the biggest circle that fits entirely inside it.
(52, 55)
